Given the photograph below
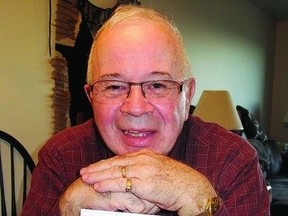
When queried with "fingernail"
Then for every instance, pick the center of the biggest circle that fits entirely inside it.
(96, 186)
(83, 170)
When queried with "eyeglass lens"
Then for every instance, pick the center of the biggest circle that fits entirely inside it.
(115, 91)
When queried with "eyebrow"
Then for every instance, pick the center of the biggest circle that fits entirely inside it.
(160, 73)
(120, 75)
(110, 76)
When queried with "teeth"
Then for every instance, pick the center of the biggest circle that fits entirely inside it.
(134, 133)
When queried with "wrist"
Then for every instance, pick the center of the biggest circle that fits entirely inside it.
(212, 206)
(208, 208)
(69, 202)
(68, 207)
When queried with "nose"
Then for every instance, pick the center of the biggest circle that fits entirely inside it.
(136, 104)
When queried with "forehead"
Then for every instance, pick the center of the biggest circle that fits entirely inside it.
(139, 31)
(135, 46)
(155, 75)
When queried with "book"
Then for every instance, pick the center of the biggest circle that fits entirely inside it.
(90, 212)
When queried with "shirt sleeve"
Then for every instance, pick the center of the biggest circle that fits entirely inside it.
(47, 184)
(59, 163)
(241, 184)
(231, 165)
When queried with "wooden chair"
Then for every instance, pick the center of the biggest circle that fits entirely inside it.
(16, 166)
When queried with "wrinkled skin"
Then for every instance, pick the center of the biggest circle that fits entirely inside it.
(81, 195)
(139, 132)
(156, 178)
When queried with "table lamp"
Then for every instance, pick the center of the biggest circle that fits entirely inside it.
(216, 106)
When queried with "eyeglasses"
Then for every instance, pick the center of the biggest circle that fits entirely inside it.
(155, 91)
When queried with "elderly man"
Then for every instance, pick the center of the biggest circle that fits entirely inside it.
(142, 152)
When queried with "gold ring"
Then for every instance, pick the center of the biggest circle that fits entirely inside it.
(123, 171)
(128, 185)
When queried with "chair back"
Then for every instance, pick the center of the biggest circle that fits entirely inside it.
(16, 166)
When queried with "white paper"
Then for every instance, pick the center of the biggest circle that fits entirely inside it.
(89, 212)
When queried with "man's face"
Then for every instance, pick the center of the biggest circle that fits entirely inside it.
(138, 52)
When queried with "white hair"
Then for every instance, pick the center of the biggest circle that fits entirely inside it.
(136, 12)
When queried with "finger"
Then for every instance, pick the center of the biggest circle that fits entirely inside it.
(100, 165)
(117, 201)
(150, 208)
(110, 173)
(154, 210)
(96, 176)
(129, 203)
(119, 160)
(105, 164)
(116, 185)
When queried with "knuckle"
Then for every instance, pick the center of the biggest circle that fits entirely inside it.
(113, 171)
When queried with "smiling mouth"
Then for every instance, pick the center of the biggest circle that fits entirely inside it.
(138, 134)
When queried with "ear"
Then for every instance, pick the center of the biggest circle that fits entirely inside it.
(189, 93)
(87, 89)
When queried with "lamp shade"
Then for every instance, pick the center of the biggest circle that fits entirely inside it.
(285, 120)
(216, 106)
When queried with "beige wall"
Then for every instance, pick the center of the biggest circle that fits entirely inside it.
(279, 131)
(25, 85)
(229, 44)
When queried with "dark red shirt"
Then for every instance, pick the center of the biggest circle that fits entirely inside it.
(229, 162)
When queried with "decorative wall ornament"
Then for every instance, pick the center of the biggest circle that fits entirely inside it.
(96, 16)
(75, 23)
(67, 22)
(60, 96)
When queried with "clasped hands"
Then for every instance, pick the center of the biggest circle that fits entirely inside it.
(141, 182)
